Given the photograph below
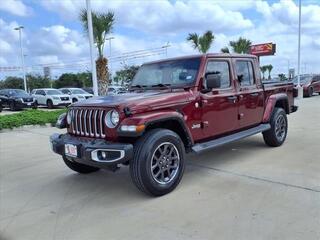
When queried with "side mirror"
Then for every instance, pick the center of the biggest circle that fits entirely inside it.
(213, 80)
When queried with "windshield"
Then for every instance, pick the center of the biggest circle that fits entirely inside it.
(53, 92)
(78, 91)
(19, 92)
(303, 79)
(176, 73)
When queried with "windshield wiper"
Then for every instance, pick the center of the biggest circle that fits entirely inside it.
(166, 85)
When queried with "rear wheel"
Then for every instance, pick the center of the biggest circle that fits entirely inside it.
(50, 104)
(78, 167)
(158, 163)
(310, 91)
(1, 107)
(277, 134)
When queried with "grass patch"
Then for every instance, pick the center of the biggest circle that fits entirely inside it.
(29, 117)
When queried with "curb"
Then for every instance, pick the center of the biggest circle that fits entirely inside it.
(26, 127)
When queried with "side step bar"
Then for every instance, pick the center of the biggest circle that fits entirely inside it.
(200, 147)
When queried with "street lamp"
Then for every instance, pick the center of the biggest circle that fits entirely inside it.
(300, 90)
(93, 63)
(22, 56)
(110, 38)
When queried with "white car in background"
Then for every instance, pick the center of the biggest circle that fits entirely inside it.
(76, 94)
(50, 97)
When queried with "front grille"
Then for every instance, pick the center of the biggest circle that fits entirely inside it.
(64, 98)
(27, 99)
(87, 122)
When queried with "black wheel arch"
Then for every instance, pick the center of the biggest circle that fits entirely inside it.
(173, 123)
(283, 102)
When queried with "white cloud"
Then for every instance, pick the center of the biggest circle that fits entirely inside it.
(15, 7)
(163, 16)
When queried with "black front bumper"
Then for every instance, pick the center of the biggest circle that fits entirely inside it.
(20, 105)
(88, 150)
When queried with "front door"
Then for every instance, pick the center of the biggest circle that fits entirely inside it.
(250, 94)
(219, 106)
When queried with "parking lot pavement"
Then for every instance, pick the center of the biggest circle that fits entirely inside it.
(244, 190)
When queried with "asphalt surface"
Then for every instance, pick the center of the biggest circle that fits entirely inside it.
(244, 190)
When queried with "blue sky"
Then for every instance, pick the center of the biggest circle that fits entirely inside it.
(53, 35)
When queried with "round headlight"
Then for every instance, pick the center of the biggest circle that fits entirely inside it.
(112, 119)
(69, 117)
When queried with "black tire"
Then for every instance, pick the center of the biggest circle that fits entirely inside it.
(49, 104)
(78, 167)
(35, 105)
(145, 151)
(74, 100)
(1, 107)
(277, 134)
(12, 106)
(310, 91)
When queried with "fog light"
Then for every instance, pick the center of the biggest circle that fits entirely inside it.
(103, 155)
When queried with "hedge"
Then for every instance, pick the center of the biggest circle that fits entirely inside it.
(29, 117)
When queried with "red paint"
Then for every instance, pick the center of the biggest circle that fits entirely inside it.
(206, 115)
(263, 49)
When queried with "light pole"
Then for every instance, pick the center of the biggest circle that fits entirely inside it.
(22, 57)
(166, 47)
(300, 91)
(110, 38)
(93, 63)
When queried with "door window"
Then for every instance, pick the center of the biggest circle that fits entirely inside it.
(221, 68)
(245, 73)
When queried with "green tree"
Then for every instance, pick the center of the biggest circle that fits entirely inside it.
(125, 75)
(202, 43)
(282, 77)
(12, 82)
(37, 81)
(68, 80)
(269, 69)
(241, 46)
(263, 69)
(102, 24)
(225, 50)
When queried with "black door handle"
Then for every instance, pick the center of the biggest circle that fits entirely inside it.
(232, 99)
(254, 94)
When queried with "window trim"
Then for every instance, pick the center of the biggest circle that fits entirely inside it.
(230, 73)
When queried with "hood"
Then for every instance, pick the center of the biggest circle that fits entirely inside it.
(139, 100)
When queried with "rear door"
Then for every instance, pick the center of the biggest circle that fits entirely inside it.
(250, 93)
(219, 106)
(40, 95)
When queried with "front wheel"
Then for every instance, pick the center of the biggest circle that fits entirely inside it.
(78, 167)
(277, 134)
(50, 104)
(310, 92)
(12, 106)
(158, 163)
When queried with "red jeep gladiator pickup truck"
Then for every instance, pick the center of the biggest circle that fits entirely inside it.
(173, 107)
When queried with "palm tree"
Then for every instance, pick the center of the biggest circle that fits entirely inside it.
(263, 70)
(225, 50)
(242, 45)
(269, 69)
(202, 43)
(102, 24)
